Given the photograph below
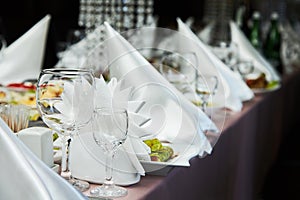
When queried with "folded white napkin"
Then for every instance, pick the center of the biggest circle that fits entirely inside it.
(232, 89)
(23, 59)
(20, 167)
(87, 157)
(173, 117)
(246, 50)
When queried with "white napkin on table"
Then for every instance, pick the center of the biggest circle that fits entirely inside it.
(174, 118)
(87, 157)
(232, 89)
(23, 58)
(24, 176)
(246, 50)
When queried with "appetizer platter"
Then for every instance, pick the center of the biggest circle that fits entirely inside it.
(164, 155)
(20, 94)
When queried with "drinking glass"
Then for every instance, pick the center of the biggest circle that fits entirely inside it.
(244, 67)
(110, 127)
(227, 52)
(180, 70)
(49, 95)
(206, 87)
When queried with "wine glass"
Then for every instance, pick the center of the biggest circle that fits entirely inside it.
(180, 70)
(110, 127)
(49, 95)
(227, 52)
(206, 87)
(244, 67)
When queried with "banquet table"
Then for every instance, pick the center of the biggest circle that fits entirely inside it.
(247, 147)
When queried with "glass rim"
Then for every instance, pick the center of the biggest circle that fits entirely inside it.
(66, 70)
(110, 109)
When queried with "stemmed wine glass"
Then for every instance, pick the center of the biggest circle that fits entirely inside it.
(49, 95)
(227, 52)
(206, 87)
(180, 70)
(110, 127)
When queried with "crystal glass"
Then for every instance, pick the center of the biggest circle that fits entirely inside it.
(110, 127)
(206, 87)
(49, 95)
(244, 67)
(227, 52)
(180, 70)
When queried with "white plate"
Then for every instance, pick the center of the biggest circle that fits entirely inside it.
(184, 153)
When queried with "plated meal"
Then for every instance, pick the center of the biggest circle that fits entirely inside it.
(260, 84)
(159, 152)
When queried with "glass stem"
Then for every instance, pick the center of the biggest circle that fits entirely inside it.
(64, 144)
(65, 158)
(204, 106)
(109, 168)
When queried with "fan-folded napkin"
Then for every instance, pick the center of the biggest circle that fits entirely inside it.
(232, 89)
(78, 102)
(22, 59)
(246, 50)
(173, 117)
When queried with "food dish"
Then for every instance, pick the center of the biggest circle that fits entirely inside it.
(269, 88)
(20, 93)
(260, 84)
(184, 153)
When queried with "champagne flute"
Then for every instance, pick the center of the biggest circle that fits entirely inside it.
(49, 95)
(206, 87)
(110, 127)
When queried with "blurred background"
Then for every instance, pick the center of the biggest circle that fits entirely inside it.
(18, 17)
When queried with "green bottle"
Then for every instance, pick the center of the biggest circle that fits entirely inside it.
(273, 43)
(255, 32)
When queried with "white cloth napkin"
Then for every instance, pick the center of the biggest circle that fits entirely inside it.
(87, 157)
(232, 89)
(173, 117)
(246, 50)
(23, 58)
(24, 176)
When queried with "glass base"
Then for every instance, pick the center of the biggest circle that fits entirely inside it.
(79, 185)
(109, 191)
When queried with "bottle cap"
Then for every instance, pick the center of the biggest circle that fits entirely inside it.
(274, 16)
(256, 15)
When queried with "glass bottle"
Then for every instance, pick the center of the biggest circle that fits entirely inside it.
(255, 32)
(273, 43)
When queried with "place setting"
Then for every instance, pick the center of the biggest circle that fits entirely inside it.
(241, 57)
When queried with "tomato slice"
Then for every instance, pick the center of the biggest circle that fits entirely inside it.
(21, 85)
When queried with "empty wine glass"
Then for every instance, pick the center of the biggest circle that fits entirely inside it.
(49, 95)
(244, 67)
(227, 52)
(206, 87)
(180, 70)
(110, 127)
